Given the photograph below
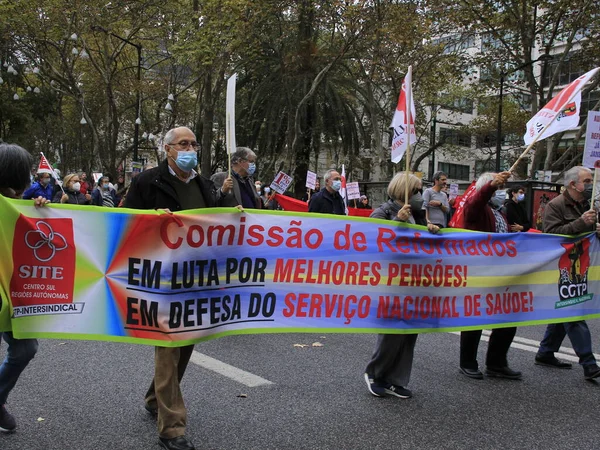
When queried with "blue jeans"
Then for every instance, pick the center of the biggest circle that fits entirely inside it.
(579, 335)
(18, 355)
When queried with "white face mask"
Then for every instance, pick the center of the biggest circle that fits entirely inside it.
(76, 186)
(267, 190)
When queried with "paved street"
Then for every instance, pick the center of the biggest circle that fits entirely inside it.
(89, 395)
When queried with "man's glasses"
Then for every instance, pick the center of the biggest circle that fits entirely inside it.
(187, 144)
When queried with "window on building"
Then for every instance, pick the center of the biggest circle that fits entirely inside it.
(588, 101)
(463, 105)
(452, 136)
(570, 69)
(453, 43)
(455, 171)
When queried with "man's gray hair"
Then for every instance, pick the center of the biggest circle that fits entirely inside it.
(573, 174)
(242, 153)
(170, 135)
(484, 179)
(327, 175)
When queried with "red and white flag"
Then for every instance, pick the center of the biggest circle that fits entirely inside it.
(560, 114)
(403, 123)
(45, 167)
(458, 218)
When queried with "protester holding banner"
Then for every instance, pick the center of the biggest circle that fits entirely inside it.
(328, 200)
(14, 178)
(72, 192)
(243, 166)
(570, 213)
(41, 188)
(388, 372)
(481, 215)
(435, 201)
(174, 185)
(515, 211)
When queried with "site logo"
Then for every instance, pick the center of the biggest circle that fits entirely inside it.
(573, 281)
(44, 241)
(43, 276)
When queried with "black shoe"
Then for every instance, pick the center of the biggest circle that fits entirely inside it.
(552, 361)
(153, 411)
(472, 373)
(397, 391)
(8, 424)
(591, 372)
(503, 372)
(178, 443)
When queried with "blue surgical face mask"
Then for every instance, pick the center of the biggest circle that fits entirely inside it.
(186, 160)
(520, 197)
(251, 168)
(336, 185)
(498, 199)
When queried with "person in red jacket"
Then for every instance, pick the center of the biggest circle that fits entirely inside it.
(482, 213)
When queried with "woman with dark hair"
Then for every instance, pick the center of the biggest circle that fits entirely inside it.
(14, 179)
(515, 209)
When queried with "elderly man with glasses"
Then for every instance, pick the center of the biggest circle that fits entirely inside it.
(173, 185)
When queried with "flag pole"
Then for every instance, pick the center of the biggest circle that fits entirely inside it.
(537, 138)
(53, 173)
(408, 131)
(228, 147)
(594, 190)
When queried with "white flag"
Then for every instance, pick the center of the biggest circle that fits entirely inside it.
(560, 114)
(230, 111)
(403, 124)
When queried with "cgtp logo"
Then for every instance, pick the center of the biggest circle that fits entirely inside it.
(44, 241)
(573, 281)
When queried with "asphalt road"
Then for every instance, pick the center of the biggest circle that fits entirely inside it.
(88, 395)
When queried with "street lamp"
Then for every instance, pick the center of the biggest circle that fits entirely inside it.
(138, 99)
(544, 57)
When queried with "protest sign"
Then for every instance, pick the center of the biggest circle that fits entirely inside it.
(281, 182)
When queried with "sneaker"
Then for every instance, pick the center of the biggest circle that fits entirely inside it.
(589, 372)
(503, 372)
(8, 424)
(397, 391)
(374, 388)
(552, 361)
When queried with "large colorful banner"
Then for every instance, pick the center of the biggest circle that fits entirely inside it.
(151, 278)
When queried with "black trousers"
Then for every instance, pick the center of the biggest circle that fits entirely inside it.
(499, 344)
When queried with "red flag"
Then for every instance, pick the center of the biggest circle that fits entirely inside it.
(44, 166)
(458, 219)
(291, 204)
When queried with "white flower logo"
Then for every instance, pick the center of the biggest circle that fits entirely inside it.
(44, 241)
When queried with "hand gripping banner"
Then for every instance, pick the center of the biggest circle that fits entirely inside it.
(121, 275)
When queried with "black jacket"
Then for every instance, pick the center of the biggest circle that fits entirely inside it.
(326, 203)
(516, 214)
(152, 189)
